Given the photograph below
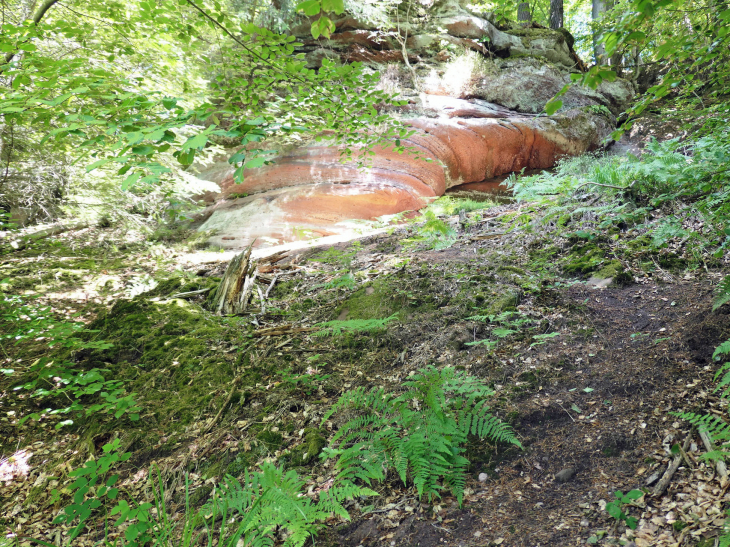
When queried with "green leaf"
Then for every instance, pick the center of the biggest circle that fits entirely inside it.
(237, 157)
(588, 389)
(501, 332)
(130, 181)
(722, 349)
(310, 7)
(142, 150)
(196, 142)
(614, 510)
(575, 408)
(336, 6)
(633, 495)
(553, 106)
(255, 162)
(636, 35)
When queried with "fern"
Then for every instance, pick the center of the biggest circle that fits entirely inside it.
(722, 349)
(337, 328)
(722, 294)
(717, 428)
(271, 500)
(420, 434)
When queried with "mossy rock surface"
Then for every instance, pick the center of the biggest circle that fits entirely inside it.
(614, 270)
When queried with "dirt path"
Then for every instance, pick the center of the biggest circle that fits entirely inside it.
(634, 355)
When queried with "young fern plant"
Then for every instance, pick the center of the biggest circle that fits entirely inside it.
(337, 328)
(271, 500)
(717, 428)
(420, 433)
(722, 294)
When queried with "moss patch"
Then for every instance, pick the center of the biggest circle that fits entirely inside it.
(584, 259)
(307, 452)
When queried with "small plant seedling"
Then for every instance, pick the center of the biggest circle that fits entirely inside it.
(616, 507)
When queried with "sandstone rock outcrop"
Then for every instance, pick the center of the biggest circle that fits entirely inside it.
(474, 115)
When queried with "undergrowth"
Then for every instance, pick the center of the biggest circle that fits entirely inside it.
(420, 433)
(676, 195)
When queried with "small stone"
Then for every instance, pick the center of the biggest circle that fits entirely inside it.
(565, 475)
(584, 523)
(483, 477)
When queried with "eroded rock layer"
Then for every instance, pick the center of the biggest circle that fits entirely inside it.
(475, 116)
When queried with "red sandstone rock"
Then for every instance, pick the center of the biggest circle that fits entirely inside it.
(308, 191)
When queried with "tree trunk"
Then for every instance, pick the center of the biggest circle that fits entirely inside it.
(556, 14)
(599, 50)
(523, 14)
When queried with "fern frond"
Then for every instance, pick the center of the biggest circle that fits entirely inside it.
(722, 293)
(423, 445)
(722, 349)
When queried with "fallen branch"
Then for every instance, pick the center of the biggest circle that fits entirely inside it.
(190, 293)
(669, 473)
(719, 464)
(218, 416)
(47, 232)
(490, 235)
(271, 286)
(280, 330)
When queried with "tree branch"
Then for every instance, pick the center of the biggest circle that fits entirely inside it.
(48, 4)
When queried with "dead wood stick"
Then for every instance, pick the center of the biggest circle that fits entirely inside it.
(487, 236)
(47, 232)
(278, 331)
(225, 405)
(669, 473)
(190, 293)
(719, 464)
(271, 286)
(262, 298)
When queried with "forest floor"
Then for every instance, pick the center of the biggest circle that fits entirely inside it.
(588, 376)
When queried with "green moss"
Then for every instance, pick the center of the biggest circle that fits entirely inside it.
(200, 495)
(600, 110)
(507, 301)
(374, 301)
(272, 439)
(513, 269)
(584, 259)
(614, 269)
(307, 452)
(169, 355)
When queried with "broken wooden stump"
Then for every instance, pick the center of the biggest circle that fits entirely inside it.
(234, 291)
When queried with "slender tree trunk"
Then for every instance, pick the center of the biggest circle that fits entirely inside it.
(599, 50)
(523, 14)
(556, 14)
